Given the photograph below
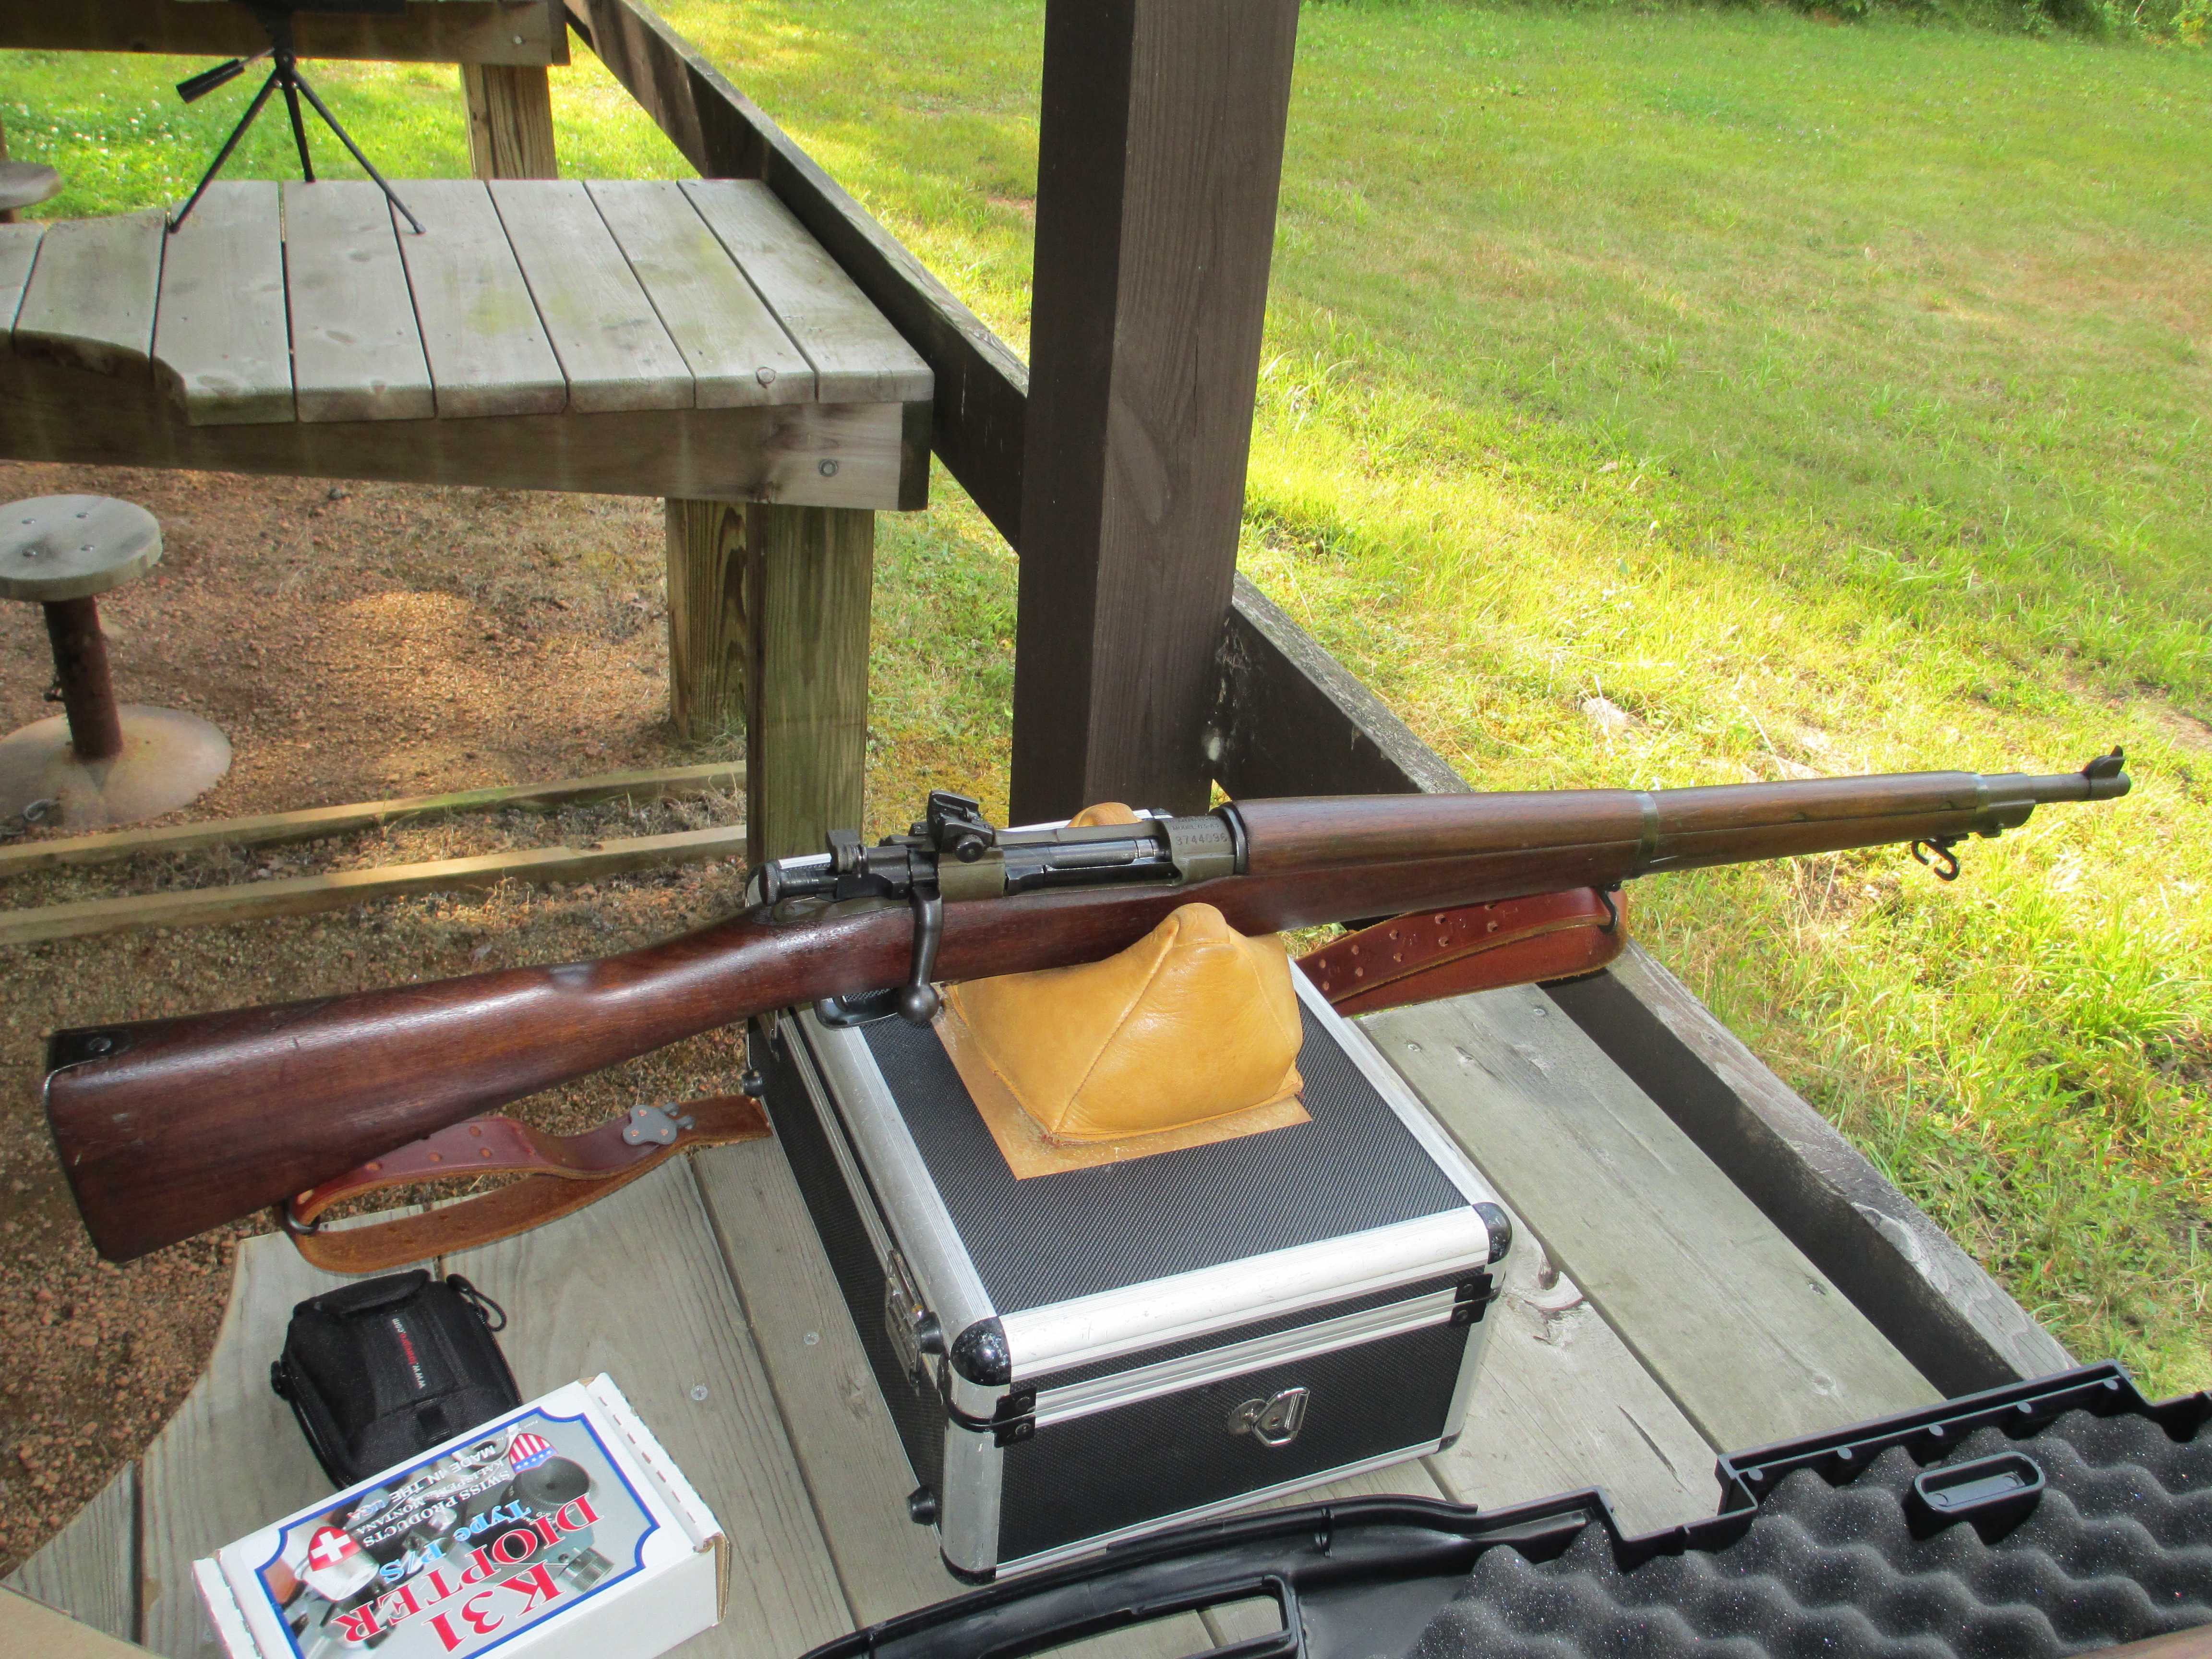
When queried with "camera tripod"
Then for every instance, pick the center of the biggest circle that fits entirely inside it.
(284, 76)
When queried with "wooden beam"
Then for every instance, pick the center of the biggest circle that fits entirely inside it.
(298, 896)
(809, 573)
(510, 111)
(1291, 719)
(708, 637)
(982, 385)
(1159, 156)
(52, 412)
(314, 822)
(447, 31)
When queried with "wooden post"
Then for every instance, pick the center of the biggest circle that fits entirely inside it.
(768, 632)
(810, 576)
(1159, 156)
(510, 120)
(708, 639)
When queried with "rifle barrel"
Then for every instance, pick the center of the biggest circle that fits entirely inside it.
(167, 1127)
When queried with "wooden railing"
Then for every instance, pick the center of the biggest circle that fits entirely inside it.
(1288, 718)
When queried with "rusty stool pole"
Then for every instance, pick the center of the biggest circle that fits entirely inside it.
(81, 670)
(99, 762)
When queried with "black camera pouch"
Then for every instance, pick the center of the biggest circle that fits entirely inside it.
(379, 1371)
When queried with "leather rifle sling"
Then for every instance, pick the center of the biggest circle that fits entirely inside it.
(1478, 947)
(560, 1175)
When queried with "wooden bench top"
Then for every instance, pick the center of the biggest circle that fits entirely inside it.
(1649, 1319)
(691, 332)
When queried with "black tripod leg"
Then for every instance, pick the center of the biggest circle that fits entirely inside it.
(366, 165)
(299, 127)
(223, 155)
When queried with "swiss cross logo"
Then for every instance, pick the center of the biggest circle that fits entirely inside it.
(329, 1547)
(527, 1451)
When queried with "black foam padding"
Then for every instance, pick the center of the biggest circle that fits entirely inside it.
(1352, 1167)
(2118, 1549)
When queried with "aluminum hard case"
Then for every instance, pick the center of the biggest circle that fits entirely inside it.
(1096, 1353)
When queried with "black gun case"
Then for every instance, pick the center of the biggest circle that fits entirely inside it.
(2062, 1516)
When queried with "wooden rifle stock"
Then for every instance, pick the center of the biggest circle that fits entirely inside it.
(168, 1128)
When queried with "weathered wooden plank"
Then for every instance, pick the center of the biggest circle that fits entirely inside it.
(736, 350)
(89, 1569)
(32, 1627)
(19, 247)
(486, 345)
(635, 1286)
(314, 822)
(1935, 1302)
(808, 581)
(356, 351)
(980, 383)
(447, 31)
(334, 890)
(231, 1459)
(1161, 134)
(510, 109)
(90, 303)
(858, 357)
(852, 455)
(1562, 1404)
(1749, 1338)
(611, 343)
(841, 1432)
(222, 349)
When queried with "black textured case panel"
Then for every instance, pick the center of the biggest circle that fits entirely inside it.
(1822, 1550)
(2119, 1548)
(1128, 1464)
(915, 1409)
(1354, 1167)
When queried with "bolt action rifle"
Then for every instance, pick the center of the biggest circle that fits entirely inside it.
(167, 1127)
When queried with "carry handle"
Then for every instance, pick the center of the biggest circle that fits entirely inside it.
(1288, 1643)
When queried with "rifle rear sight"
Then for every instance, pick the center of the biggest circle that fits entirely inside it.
(954, 854)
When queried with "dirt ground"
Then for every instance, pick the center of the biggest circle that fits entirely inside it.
(355, 641)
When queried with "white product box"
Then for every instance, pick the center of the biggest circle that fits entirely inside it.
(559, 1531)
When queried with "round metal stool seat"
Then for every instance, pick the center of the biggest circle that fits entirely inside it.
(99, 763)
(26, 184)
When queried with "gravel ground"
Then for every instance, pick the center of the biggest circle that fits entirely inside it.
(356, 642)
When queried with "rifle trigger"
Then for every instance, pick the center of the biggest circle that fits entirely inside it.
(1938, 852)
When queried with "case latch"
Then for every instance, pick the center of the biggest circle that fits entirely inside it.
(1470, 1297)
(914, 1331)
(1015, 1420)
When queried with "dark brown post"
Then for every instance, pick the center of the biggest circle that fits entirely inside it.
(80, 666)
(1160, 158)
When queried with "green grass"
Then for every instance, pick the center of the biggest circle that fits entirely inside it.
(1828, 399)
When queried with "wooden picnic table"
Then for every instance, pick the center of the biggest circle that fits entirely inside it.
(684, 339)
(635, 336)
(1651, 1317)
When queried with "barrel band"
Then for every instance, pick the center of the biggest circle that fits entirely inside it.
(1647, 848)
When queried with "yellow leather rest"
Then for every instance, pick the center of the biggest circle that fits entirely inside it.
(1193, 1025)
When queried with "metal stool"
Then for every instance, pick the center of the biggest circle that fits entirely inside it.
(98, 763)
(24, 183)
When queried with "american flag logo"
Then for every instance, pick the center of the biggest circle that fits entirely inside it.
(329, 1547)
(527, 1451)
